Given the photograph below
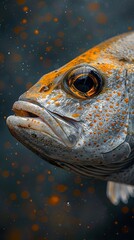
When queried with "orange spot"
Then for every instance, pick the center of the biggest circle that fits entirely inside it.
(2, 57)
(100, 123)
(43, 219)
(106, 68)
(57, 104)
(13, 196)
(35, 227)
(25, 9)
(93, 6)
(62, 188)
(125, 209)
(25, 168)
(75, 115)
(41, 58)
(125, 229)
(53, 200)
(48, 17)
(24, 21)
(55, 19)
(5, 173)
(116, 222)
(23, 35)
(60, 34)
(14, 234)
(126, 100)
(25, 195)
(91, 190)
(40, 178)
(7, 145)
(48, 49)
(58, 42)
(130, 28)
(56, 97)
(16, 57)
(18, 29)
(76, 192)
(101, 18)
(20, 2)
(77, 180)
(36, 31)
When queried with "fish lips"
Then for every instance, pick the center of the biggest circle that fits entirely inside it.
(30, 116)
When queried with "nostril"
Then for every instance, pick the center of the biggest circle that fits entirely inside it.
(45, 88)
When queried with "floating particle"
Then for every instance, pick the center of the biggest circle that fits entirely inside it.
(61, 188)
(36, 31)
(47, 17)
(55, 19)
(125, 209)
(13, 196)
(130, 28)
(16, 57)
(54, 200)
(25, 9)
(25, 194)
(18, 29)
(5, 173)
(2, 57)
(101, 18)
(76, 192)
(93, 6)
(20, 2)
(24, 35)
(40, 178)
(91, 190)
(125, 229)
(24, 21)
(35, 227)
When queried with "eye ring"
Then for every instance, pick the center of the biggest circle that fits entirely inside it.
(83, 81)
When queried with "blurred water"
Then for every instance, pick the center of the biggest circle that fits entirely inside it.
(39, 201)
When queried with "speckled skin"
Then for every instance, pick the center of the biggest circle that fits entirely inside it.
(94, 136)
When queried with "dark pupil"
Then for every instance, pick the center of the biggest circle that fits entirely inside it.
(84, 83)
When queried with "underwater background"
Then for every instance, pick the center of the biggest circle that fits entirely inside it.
(37, 200)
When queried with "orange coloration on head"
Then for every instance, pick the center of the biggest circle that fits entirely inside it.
(92, 57)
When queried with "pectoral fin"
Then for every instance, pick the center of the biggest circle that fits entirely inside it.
(117, 192)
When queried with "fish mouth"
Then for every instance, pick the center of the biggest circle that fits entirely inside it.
(29, 115)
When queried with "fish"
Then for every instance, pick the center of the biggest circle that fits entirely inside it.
(80, 117)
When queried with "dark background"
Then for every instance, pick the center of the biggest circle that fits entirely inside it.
(37, 200)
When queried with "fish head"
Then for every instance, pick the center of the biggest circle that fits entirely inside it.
(80, 111)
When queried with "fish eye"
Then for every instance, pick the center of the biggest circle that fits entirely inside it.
(83, 81)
